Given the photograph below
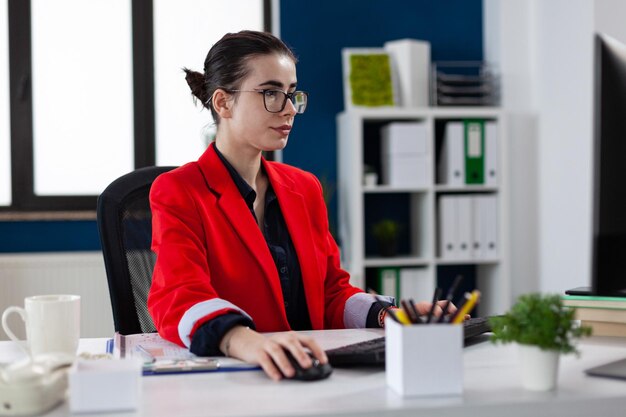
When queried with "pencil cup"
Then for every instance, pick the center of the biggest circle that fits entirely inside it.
(424, 359)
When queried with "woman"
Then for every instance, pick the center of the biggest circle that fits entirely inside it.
(243, 244)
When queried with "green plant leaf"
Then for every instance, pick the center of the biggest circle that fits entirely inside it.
(539, 320)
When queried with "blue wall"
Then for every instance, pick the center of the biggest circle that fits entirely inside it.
(317, 30)
(49, 236)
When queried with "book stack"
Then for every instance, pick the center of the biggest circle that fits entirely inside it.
(605, 315)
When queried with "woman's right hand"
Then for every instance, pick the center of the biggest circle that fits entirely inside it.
(269, 351)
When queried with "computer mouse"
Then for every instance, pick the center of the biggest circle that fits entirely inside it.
(315, 372)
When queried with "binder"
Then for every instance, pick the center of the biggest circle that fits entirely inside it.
(491, 154)
(486, 225)
(412, 62)
(415, 284)
(474, 141)
(452, 159)
(389, 282)
(447, 227)
(464, 230)
(478, 245)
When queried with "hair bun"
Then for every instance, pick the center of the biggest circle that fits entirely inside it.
(196, 82)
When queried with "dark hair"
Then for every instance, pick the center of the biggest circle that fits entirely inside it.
(226, 66)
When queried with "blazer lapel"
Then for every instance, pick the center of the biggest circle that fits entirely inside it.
(238, 215)
(295, 211)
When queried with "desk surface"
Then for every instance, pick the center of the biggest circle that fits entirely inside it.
(491, 388)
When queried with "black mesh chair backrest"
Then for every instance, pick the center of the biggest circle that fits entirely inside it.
(125, 226)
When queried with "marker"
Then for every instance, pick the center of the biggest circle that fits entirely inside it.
(449, 297)
(436, 296)
(467, 307)
(400, 315)
(410, 313)
(419, 320)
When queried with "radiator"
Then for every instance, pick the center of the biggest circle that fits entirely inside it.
(81, 273)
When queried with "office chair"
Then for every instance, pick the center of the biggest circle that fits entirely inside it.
(125, 226)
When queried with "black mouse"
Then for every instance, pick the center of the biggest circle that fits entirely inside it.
(315, 372)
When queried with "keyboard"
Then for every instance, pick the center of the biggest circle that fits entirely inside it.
(372, 352)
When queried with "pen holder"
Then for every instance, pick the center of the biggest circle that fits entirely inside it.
(425, 359)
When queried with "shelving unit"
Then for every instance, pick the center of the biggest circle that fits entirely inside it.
(358, 142)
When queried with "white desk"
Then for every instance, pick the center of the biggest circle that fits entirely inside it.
(492, 388)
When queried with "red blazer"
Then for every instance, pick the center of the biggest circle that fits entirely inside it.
(212, 257)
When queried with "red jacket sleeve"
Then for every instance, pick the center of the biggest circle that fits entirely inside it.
(181, 279)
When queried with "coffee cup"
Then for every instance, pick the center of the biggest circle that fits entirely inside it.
(52, 324)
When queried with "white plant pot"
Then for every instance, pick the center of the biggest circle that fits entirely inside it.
(539, 367)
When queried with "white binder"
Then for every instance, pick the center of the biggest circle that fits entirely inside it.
(491, 154)
(485, 217)
(412, 62)
(465, 223)
(447, 227)
(478, 218)
(389, 277)
(489, 226)
(452, 158)
(415, 284)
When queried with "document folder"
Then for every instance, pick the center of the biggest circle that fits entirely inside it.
(474, 151)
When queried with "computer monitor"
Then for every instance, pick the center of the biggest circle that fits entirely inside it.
(608, 247)
(608, 256)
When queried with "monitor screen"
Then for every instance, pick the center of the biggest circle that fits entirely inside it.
(608, 258)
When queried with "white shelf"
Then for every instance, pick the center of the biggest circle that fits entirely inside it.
(396, 261)
(466, 188)
(425, 112)
(392, 189)
(492, 276)
(440, 261)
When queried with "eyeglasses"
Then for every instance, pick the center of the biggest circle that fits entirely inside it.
(276, 100)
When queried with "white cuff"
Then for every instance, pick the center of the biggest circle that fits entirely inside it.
(199, 311)
(357, 307)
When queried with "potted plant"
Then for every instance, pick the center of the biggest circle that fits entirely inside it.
(543, 329)
(386, 233)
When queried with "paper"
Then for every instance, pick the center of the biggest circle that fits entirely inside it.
(162, 356)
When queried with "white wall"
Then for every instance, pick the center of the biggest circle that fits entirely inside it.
(546, 52)
(509, 44)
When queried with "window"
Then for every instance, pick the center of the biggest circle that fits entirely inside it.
(5, 124)
(182, 39)
(101, 91)
(82, 95)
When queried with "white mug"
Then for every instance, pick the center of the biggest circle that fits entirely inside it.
(52, 324)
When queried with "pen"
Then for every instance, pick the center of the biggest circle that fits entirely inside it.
(449, 297)
(436, 296)
(419, 320)
(410, 313)
(467, 307)
(147, 356)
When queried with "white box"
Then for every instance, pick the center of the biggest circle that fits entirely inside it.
(105, 385)
(405, 153)
(405, 138)
(406, 171)
(412, 63)
(424, 359)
